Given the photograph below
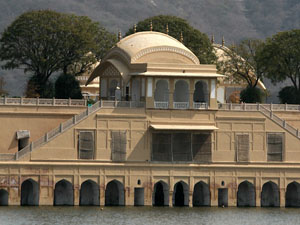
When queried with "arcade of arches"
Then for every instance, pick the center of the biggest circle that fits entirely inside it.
(161, 196)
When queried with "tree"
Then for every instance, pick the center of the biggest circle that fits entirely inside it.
(280, 57)
(289, 95)
(44, 42)
(193, 39)
(241, 62)
(251, 95)
(66, 86)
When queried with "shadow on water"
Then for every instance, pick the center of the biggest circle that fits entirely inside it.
(44, 215)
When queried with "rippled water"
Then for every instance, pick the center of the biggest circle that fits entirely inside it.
(147, 215)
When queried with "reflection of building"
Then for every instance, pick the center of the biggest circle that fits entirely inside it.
(157, 137)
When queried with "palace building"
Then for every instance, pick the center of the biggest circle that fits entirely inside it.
(157, 136)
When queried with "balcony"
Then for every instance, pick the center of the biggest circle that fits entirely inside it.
(161, 105)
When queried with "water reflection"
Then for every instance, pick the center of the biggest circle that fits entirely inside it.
(147, 215)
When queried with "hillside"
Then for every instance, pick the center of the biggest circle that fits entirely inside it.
(235, 19)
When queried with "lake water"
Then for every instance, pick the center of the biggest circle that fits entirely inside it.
(45, 215)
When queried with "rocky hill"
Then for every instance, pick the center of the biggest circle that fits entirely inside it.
(233, 19)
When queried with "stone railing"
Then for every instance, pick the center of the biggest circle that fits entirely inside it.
(267, 110)
(121, 104)
(200, 105)
(161, 105)
(181, 105)
(43, 101)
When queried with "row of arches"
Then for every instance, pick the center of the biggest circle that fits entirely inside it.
(115, 194)
(181, 91)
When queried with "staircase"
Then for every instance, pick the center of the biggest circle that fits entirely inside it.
(267, 110)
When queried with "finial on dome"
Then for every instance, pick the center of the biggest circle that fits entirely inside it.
(134, 28)
(119, 36)
(151, 26)
(223, 41)
(212, 39)
(181, 37)
(167, 28)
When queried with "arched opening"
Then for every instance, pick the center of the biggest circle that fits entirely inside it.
(181, 94)
(161, 194)
(63, 193)
(292, 195)
(181, 194)
(246, 195)
(114, 90)
(161, 94)
(3, 197)
(89, 193)
(201, 194)
(114, 194)
(136, 90)
(270, 195)
(201, 92)
(30, 193)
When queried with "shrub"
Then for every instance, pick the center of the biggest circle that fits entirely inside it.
(251, 95)
(66, 86)
(289, 95)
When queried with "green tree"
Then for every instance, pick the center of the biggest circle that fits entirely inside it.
(280, 58)
(44, 42)
(66, 86)
(193, 39)
(251, 95)
(241, 62)
(289, 95)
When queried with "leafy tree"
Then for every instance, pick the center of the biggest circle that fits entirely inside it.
(193, 39)
(35, 88)
(66, 86)
(44, 42)
(241, 62)
(289, 95)
(251, 95)
(280, 57)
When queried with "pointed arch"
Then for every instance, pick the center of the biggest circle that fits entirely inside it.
(160, 196)
(270, 195)
(114, 194)
(63, 193)
(30, 193)
(89, 193)
(201, 92)
(181, 194)
(292, 195)
(201, 194)
(181, 92)
(246, 194)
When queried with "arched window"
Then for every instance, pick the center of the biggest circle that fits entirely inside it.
(181, 95)
(181, 194)
(200, 94)
(270, 195)
(201, 194)
(161, 94)
(63, 193)
(114, 194)
(161, 194)
(292, 195)
(89, 193)
(136, 89)
(30, 193)
(246, 195)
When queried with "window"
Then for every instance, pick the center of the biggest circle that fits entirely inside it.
(86, 145)
(181, 147)
(242, 147)
(118, 145)
(201, 147)
(275, 146)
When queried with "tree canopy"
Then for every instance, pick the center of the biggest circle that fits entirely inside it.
(193, 39)
(280, 57)
(66, 86)
(241, 62)
(44, 42)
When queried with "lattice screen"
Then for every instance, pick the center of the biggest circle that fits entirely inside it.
(161, 147)
(275, 146)
(86, 144)
(242, 147)
(201, 147)
(118, 145)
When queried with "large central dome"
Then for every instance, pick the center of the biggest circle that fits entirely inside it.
(142, 46)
